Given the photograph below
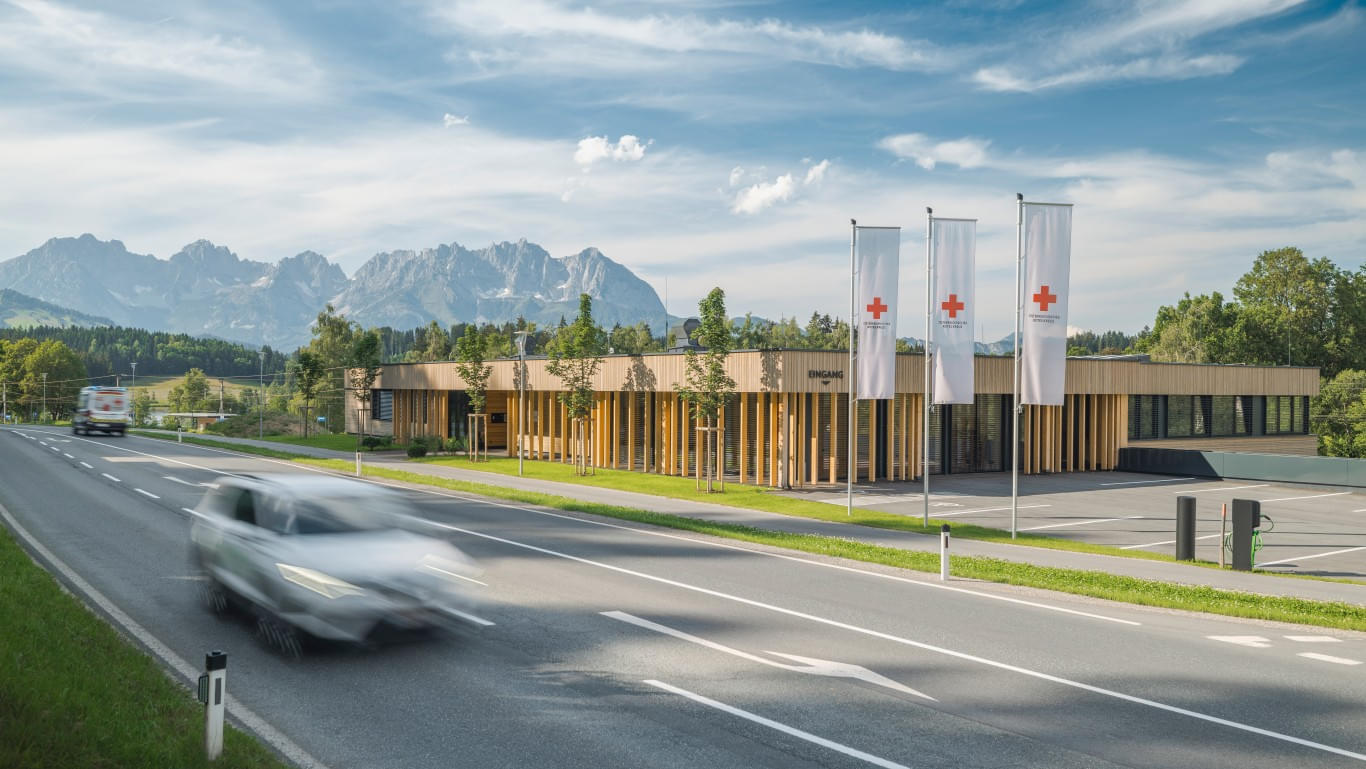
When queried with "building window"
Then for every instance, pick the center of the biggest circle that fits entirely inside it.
(1179, 417)
(1144, 422)
(382, 403)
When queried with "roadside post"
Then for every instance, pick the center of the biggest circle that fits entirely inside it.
(177, 434)
(1185, 529)
(943, 552)
(358, 473)
(1247, 517)
(211, 686)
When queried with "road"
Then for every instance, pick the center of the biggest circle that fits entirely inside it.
(620, 646)
(1318, 530)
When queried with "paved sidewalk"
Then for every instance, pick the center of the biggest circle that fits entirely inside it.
(1144, 569)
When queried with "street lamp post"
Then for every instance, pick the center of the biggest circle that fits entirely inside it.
(43, 415)
(261, 397)
(521, 395)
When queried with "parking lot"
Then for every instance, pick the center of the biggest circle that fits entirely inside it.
(1317, 530)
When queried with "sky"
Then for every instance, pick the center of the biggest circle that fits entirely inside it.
(702, 143)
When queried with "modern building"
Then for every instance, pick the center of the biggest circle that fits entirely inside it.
(788, 422)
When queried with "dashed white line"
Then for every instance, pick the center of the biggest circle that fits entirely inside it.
(1081, 523)
(146, 493)
(1316, 555)
(1159, 480)
(1329, 658)
(68, 456)
(1163, 542)
(87, 466)
(54, 448)
(1254, 641)
(776, 726)
(112, 478)
(1311, 496)
(1314, 639)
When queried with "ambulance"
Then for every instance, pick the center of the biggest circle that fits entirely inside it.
(107, 409)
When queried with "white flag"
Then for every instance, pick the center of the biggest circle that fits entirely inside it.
(1047, 243)
(878, 252)
(955, 256)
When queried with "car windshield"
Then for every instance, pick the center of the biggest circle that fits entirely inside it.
(334, 515)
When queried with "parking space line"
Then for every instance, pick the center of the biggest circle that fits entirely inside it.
(1316, 555)
(1311, 496)
(1221, 488)
(1081, 523)
(1328, 658)
(1163, 542)
(985, 510)
(1159, 480)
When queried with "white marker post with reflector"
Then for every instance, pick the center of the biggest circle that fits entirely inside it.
(212, 693)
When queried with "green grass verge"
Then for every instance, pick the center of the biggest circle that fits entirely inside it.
(1080, 582)
(245, 448)
(73, 693)
(333, 441)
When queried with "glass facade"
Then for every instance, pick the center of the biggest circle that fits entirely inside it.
(1216, 416)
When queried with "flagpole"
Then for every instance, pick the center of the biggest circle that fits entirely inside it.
(853, 445)
(929, 332)
(1016, 406)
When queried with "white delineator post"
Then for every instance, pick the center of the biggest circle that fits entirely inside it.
(214, 695)
(358, 473)
(944, 552)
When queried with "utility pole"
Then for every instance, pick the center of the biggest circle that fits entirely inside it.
(261, 396)
(43, 415)
(4, 401)
(135, 376)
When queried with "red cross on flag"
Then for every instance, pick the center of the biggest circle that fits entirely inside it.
(953, 243)
(877, 253)
(1047, 244)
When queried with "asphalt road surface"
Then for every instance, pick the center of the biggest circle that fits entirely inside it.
(1318, 530)
(619, 646)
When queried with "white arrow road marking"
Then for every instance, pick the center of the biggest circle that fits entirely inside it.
(784, 728)
(1254, 641)
(1329, 658)
(1314, 639)
(808, 664)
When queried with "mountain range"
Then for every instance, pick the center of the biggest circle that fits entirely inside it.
(206, 289)
(20, 311)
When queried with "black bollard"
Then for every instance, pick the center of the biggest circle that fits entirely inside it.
(1185, 528)
(1247, 516)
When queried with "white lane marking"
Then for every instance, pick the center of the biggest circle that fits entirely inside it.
(1080, 523)
(176, 461)
(68, 456)
(1254, 641)
(1314, 639)
(187, 483)
(87, 466)
(1221, 488)
(54, 448)
(469, 617)
(146, 493)
(928, 647)
(985, 510)
(1311, 496)
(1362, 510)
(1328, 658)
(112, 478)
(784, 728)
(43, 442)
(172, 660)
(782, 556)
(194, 513)
(1317, 555)
(1164, 542)
(449, 573)
(809, 665)
(1159, 480)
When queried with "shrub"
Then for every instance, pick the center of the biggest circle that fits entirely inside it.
(371, 442)
(417, 450)
(455, 444)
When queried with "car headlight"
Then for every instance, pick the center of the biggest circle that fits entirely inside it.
(322, 584)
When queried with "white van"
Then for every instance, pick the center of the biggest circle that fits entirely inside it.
(108, 409)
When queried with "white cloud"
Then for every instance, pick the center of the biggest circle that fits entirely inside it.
(594, 148)
(737, 175)
(816, 172)
(966, 152)
(756, 198)
(528, 24)
(450, 121)
(1147, 68)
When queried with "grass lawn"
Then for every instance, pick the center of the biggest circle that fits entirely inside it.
(1090, 583)
(73, 693)
(334, 441)
(160, 386)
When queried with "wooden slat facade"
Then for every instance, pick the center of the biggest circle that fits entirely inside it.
(790, 419)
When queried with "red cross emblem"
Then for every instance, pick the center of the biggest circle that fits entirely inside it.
(877, 307)
(953, 305)
(1044, 298)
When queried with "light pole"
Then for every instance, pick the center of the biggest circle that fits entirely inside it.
(135, 376)
(43, 416)
(521, 394)
(261, 396)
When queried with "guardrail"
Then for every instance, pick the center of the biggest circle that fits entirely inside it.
(1289, 468)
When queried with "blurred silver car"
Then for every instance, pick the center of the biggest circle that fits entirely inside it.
(336, 558)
